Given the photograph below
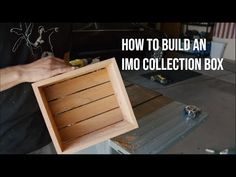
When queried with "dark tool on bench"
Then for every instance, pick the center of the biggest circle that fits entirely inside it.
(159, 78)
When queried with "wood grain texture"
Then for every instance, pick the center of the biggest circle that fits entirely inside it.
(84, 112)
(97, 136)
(49, 119)
(81, 98)
(85, 106)
(120, 93)
(61, 89)
(72, 74)
(91, 125)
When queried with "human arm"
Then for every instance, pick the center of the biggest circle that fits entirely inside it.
(32, 72)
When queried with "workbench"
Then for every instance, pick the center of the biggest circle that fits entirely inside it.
(161, 123)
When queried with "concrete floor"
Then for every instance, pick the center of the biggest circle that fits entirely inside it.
(213, 92)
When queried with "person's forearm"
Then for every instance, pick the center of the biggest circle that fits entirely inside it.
(32, 72)
(11, 76)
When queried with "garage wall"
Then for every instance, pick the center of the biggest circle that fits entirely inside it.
(229, 52)
(225, 32)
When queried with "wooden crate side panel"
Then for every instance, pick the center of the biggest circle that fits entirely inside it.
(49, 120)
(109, 127)
(72, 74)
(86, 111)
(121, 94)
(97, 136)
(62, 89)
(91, 125)
(81, 98)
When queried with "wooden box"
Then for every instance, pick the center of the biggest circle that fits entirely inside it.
(86, 106)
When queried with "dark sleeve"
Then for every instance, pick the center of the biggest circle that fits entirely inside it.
(63, 39)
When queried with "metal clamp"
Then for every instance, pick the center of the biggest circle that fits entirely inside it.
(191, 111)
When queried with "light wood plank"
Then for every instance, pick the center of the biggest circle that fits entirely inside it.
(120, 92)
(49, 119)
(121, 101)
(76, 84)
(72, 74)
(81, 98)
(86, 111)
(91, 124)
(97, 136)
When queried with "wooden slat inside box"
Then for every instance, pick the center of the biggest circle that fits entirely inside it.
(85, 106)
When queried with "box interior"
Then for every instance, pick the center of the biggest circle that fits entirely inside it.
(82, 105)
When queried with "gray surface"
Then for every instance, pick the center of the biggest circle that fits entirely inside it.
(100, 148)
(159, 130)
(229, 65)
(224, 75)
(214, 96)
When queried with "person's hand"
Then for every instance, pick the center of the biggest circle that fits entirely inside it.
(44, 68)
